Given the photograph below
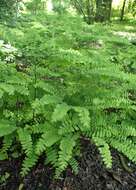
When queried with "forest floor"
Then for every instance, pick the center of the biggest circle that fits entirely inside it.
(92, 174)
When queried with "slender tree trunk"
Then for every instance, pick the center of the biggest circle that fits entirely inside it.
(109, 10)
(98, 16)
(103, 10)
(123, 10)
(90, 11)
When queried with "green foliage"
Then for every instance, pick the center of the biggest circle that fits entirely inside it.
(6, 127)
(61, 6)
(4, 177)
(104, 150)
(9, 10)
(132, 7)
(35, 5)
(60, 111)
(6, 7)
(64, 82)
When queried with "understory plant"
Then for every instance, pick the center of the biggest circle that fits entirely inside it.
(52, 93)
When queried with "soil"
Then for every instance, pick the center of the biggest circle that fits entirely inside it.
(92, 174)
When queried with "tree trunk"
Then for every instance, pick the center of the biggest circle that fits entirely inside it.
(103, 10)
(123, 10)
(90, 11)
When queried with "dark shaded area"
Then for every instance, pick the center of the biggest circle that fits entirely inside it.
(92, 174)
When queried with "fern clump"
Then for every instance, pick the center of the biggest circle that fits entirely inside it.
(56, 91)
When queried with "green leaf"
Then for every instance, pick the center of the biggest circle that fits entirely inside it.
(50, 99)
(26, 140)
(7, 88)
(46, 87)
(60, 111)
(6, 127)
(3, 156)
(104, 151)
(49, 138)
(1, 93)
(83, 116)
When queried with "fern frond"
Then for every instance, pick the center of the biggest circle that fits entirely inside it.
(26, 141)
(37, 128)
(9, 89)
(7, 142)
(7, 127)
(28, 163)
(69, 125)
(84, 117)
(104, 151)
(46, 87)
(127, 147)
(50, 99)
(22, 89)
(66, 149)
(52, 156)
(49, 138)
(74, 165)
(126, 131)
(60, 112)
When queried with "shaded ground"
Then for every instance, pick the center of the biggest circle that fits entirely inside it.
(92, 175)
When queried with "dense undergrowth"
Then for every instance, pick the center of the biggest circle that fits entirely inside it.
(62, 80)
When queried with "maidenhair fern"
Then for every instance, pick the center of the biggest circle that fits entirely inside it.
(48, 138)
(58, 91)
(104, 150)
(26, 141)
(60, 111)
(28, 162)
(6, 127)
